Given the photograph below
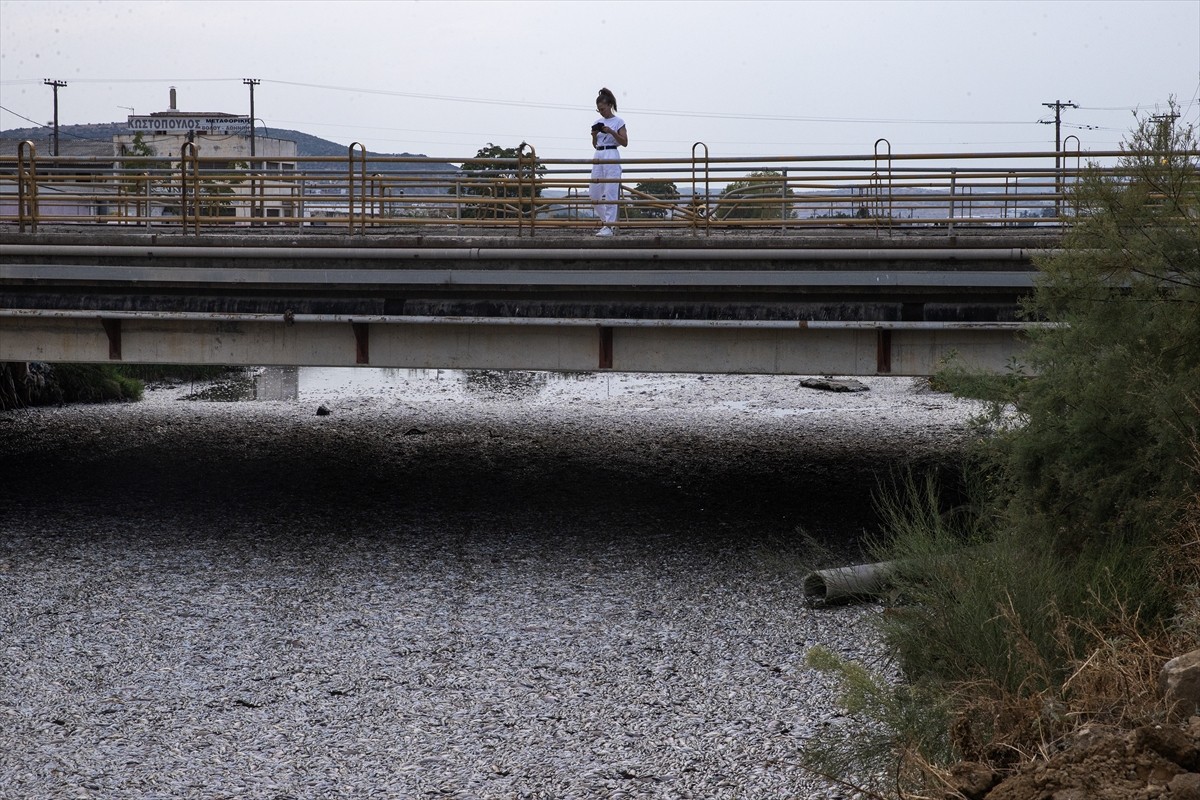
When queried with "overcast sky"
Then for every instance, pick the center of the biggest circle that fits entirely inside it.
(747, 78)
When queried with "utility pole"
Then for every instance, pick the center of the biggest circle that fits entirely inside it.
(1058, 106)
(55, 85)
(1166, 124)
(252, 82)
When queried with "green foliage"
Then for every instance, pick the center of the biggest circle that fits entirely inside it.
(887, 718)
(665, 191)
(1104, 444)
(990, 387)
(95, 383)
(508, 176)
(137, 147)
(148, 170)
(1076, 500)
(1094, 459)
(989, 602)
(762, 195)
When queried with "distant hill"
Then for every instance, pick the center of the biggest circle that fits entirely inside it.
(96, 139)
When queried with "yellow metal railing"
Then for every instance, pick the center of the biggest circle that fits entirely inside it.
(881, 192)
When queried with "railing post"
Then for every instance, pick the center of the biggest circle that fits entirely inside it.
(188, 156)
(375, 195)
(298, 192)
(697, 210)
(1016, 198)
(950, 225)
(350, 186)
(783, 200)
(879, 205)
(149, 196)
(1075, 199)
(27, 195)
(526, 165)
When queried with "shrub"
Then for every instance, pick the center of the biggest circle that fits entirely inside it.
(1051, 599)
(95, 383)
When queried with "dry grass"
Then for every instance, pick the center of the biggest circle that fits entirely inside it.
(1113, 682)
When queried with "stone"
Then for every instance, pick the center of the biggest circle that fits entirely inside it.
(1185, 786)
(1179, 682)
(972, 780)
(1171, 743)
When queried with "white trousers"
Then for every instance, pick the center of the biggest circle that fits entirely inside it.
(606, 184)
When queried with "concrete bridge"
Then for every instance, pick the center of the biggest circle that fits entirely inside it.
(811, 302)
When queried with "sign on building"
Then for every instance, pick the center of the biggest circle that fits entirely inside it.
(184, 123)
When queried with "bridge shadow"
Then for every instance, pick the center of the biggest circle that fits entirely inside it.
(370, 483)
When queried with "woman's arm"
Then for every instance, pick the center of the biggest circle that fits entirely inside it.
(620, 135)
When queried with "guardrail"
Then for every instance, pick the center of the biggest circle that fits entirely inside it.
(879, 192)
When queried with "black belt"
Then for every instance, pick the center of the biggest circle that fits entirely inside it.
(607, 147)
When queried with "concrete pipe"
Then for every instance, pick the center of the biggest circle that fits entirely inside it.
(841, 584)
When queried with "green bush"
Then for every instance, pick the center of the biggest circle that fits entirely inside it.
(95, 383)
(888, 719)
(1050, 598)
(1104, 448)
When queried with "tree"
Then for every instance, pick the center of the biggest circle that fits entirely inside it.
(152, 175)
(507, 175)
(163, 178)
(751, 198)
(1050, 595)
(1109, 422)
(648, 192)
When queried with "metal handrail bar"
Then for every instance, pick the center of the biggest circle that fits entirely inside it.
(631, 160)
(804, 191)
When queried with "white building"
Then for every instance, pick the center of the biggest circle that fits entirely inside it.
(248, 174)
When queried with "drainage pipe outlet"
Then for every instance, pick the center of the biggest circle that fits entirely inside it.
(841, 584)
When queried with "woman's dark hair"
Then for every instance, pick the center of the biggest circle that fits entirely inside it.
(607, 96)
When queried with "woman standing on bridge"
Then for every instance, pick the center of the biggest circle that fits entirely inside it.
(607, 134)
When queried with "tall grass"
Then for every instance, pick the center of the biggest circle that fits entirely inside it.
(1006, 645)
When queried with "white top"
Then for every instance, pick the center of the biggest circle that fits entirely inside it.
(607, 139)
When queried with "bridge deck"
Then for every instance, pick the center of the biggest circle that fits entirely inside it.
(648, 301)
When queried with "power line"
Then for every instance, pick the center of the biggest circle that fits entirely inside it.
(577, 107)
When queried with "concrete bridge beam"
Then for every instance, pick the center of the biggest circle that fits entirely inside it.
(771, 347)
